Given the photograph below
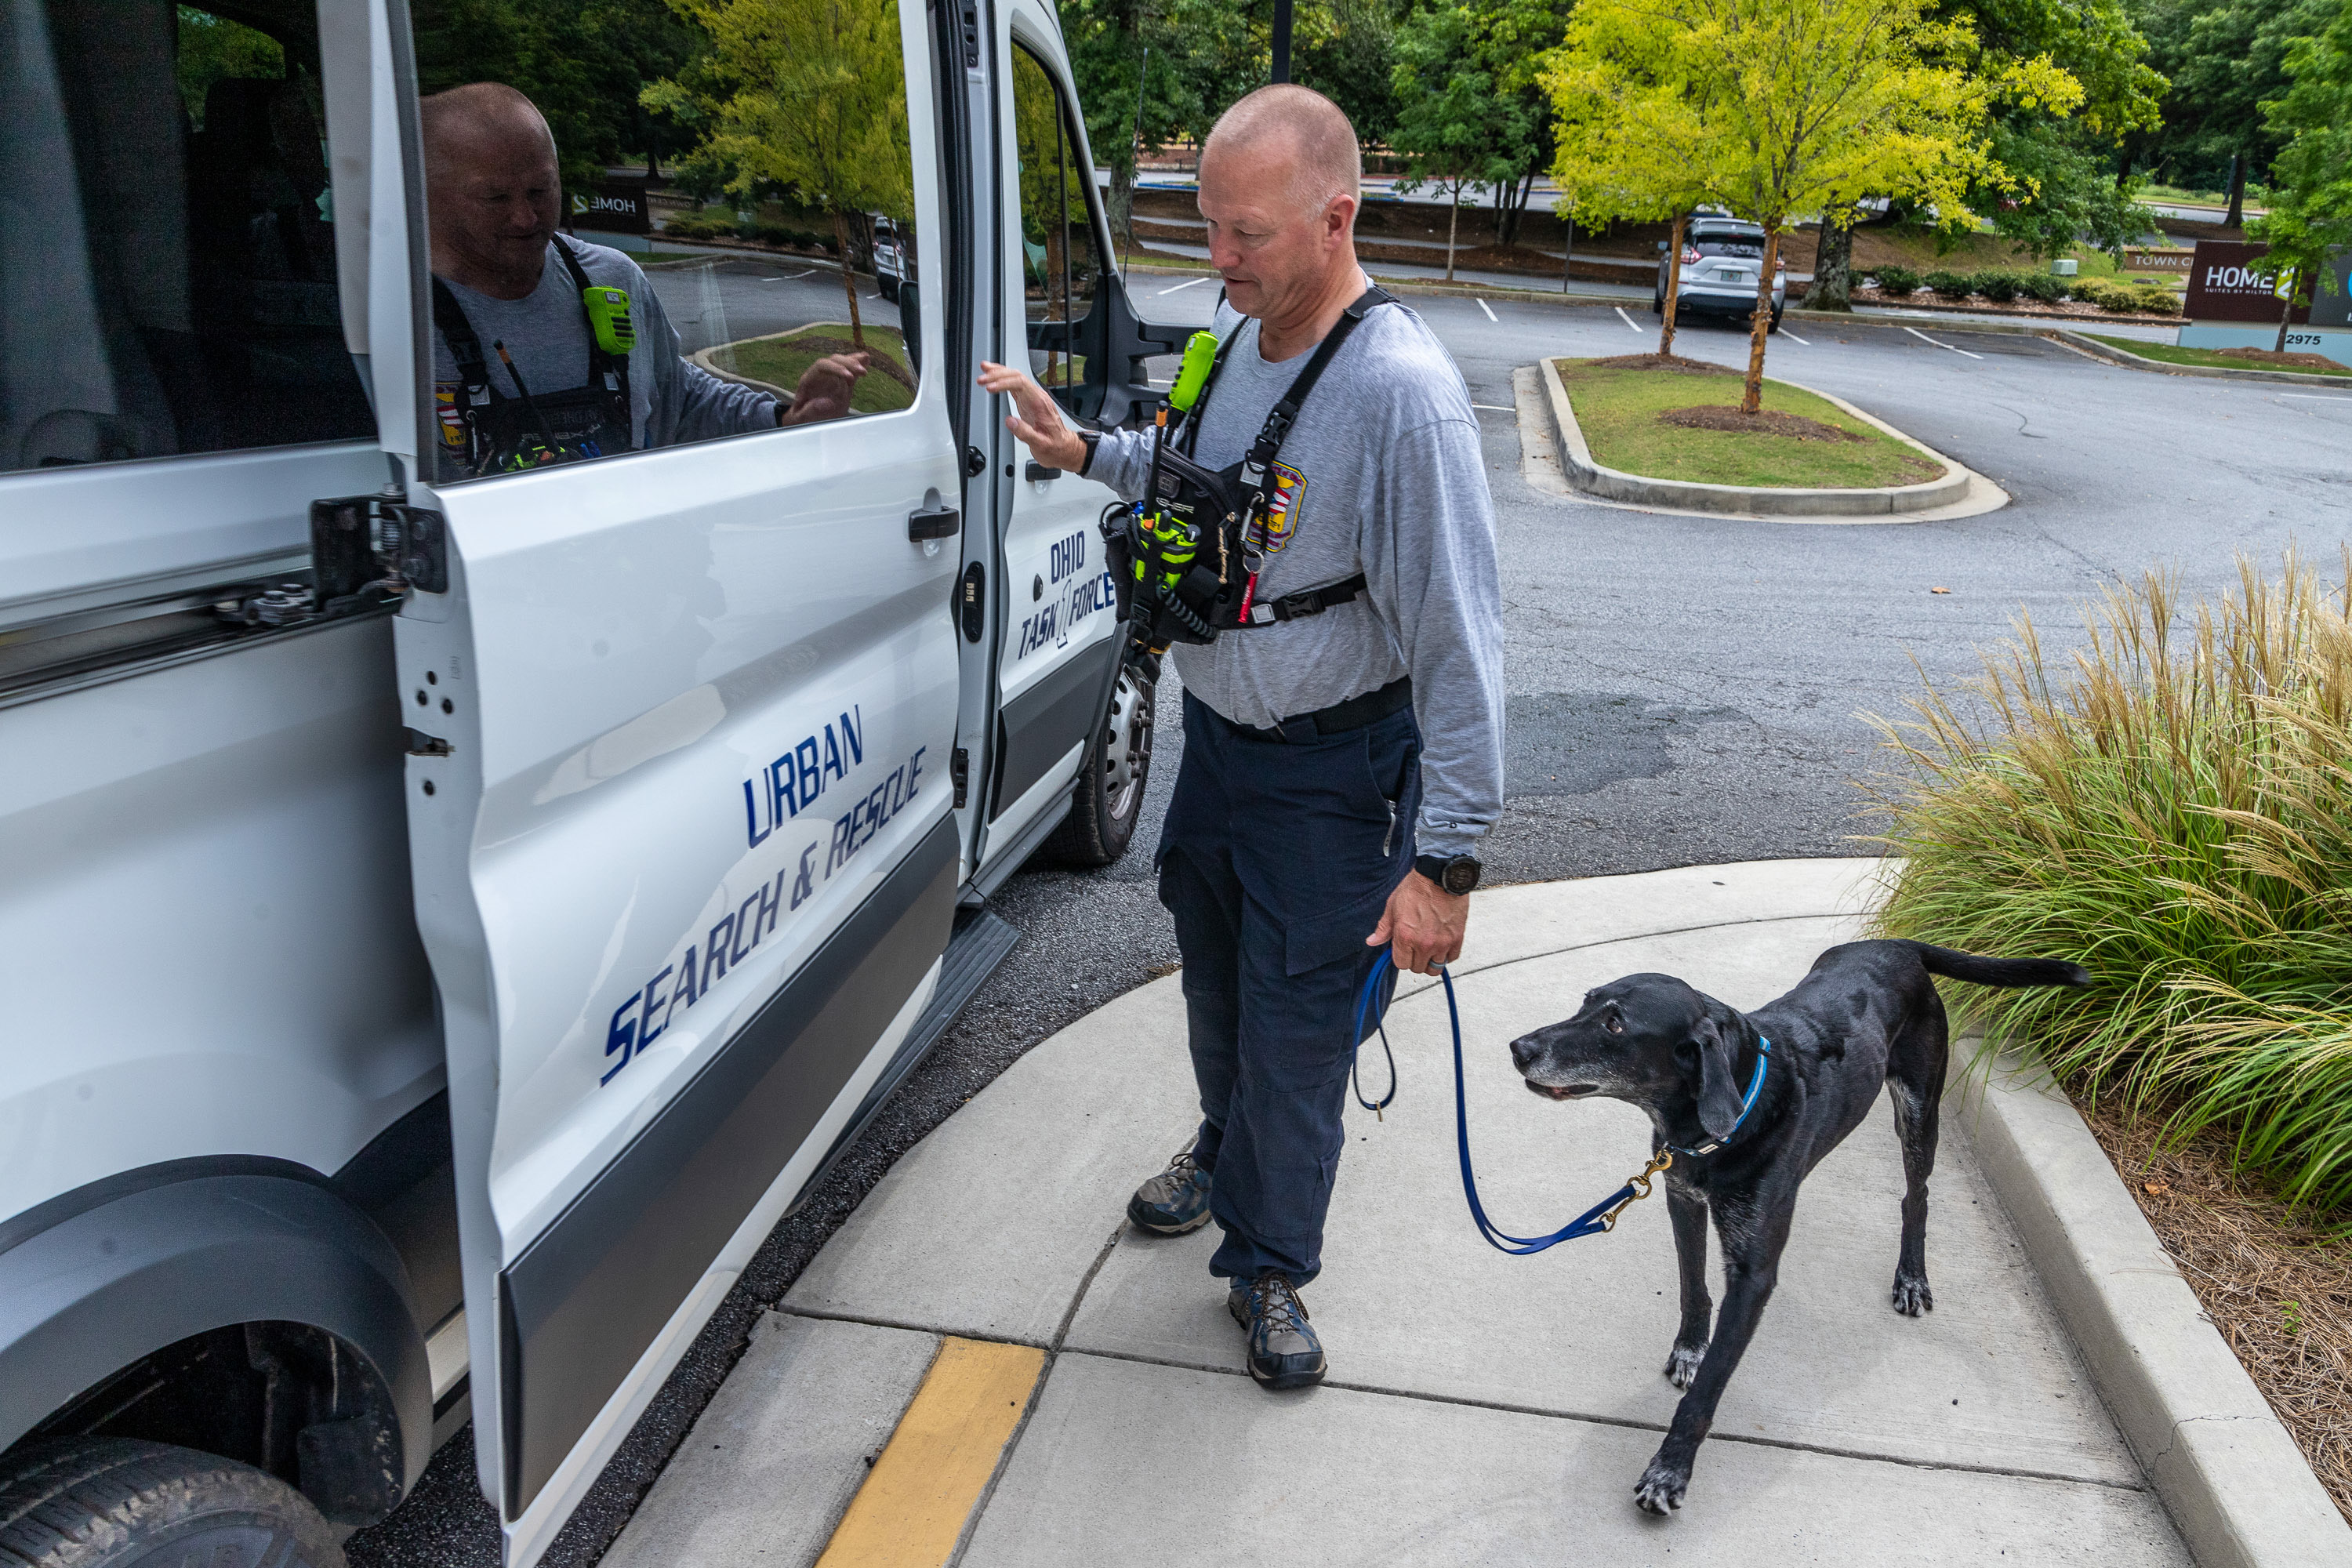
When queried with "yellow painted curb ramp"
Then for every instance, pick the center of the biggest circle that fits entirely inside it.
(913, 1507)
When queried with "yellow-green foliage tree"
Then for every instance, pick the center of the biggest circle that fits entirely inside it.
(1779, 109)
(1619, 82)
(811, 94)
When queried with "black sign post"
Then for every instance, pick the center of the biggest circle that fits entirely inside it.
(1281, 40)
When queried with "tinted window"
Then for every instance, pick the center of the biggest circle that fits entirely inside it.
(734, 183)
(167, 263)
(1060, 264)
(1721, 242)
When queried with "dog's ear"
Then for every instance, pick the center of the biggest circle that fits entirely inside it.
(1718, 1091)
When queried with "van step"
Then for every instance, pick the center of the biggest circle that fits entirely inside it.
(981, 942)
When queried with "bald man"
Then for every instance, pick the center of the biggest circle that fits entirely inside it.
(521, 376)
(1343, 746)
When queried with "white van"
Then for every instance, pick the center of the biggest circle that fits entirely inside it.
(447, 921)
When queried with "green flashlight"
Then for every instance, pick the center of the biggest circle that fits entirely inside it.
(608, 317)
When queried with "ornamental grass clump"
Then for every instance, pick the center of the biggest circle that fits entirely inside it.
(2173, 808)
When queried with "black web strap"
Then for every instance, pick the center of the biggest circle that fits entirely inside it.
(1285, 413)
(1307, 602)
(449, 318)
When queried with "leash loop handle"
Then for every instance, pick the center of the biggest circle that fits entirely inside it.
(1597, 1220)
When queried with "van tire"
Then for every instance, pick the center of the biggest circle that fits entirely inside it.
(109, 1502)
(1112, 778)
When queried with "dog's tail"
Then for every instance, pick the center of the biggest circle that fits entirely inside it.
(1979, 970)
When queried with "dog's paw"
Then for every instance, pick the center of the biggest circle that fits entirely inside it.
(1660, 1488)
(1912, 1296)
(1682, 1364)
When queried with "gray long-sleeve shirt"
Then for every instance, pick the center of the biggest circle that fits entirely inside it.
(1384, 478)
(671, 401)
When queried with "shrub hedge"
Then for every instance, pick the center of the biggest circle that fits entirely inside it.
(2171, 807)
(1895, 279)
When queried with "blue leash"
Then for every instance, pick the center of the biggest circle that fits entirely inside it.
(1600, 1217)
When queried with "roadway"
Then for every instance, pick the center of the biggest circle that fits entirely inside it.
(1682, 690)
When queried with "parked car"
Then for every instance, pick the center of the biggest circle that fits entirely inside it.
(894, 260)
(1719, 264)
(450, 921)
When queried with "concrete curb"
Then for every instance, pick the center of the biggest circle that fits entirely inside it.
(2130, 361)
(1435, 287)
(1576, 461)
(2237, 1487)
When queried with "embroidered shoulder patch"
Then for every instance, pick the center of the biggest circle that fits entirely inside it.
(1282, 504)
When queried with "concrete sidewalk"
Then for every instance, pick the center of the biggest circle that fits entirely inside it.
(1481, 1408)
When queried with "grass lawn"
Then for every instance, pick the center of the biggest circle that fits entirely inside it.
(1618, 411)
(2171, 354)
(780, 360)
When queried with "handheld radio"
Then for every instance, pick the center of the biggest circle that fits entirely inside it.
(608, 317)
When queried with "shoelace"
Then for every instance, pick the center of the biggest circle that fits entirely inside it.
(1272, 1302)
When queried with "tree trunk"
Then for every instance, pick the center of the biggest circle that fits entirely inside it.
(1759, 324)
(1453, 222)
(1673, 283)
(1122, 203)
(2236, 217)
(2286, 312)
(848, 279)
(1832, 285)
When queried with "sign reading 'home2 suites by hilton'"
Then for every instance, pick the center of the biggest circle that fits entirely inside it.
(2233, 305)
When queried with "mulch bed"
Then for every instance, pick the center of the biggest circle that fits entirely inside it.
(2281, 361)
(2276, 1281)
(1662, 361)
(2071, 311)
(1765, 422)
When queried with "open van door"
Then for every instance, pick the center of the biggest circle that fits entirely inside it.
(679, 724)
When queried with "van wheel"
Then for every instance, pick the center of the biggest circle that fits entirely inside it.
(1118, 764)
(110, 1502)
(888, 289)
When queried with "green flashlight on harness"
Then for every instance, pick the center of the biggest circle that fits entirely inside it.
(608, 317)
(1200, 354)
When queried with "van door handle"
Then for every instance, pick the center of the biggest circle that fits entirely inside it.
(934, 522)
(1037, 472)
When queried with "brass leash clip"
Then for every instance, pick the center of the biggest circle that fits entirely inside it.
(1659, 1162)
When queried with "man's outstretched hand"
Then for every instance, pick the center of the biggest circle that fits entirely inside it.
(1036, 419)
(824, 389)
(1422, 925)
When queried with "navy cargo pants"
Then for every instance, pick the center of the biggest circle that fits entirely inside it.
(1276, 861)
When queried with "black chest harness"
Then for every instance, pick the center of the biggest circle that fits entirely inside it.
(488, 432)
(1198, 540)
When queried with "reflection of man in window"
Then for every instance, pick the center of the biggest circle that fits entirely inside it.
(534, 358)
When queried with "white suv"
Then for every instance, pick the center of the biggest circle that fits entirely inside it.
(1720, 262)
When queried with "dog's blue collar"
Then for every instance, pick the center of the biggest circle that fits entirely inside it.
(1755, 1087)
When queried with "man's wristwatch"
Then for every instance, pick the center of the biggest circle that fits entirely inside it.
(1093, 438)
(1457, 874)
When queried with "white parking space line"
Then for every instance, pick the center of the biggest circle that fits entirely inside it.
(1627, 320)
(2314, 398)
(1488, 308)
(1925, 339)
(1493, 408)
(1794, 338)
(1203, 279)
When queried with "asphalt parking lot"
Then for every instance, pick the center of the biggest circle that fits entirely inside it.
(1680, 689)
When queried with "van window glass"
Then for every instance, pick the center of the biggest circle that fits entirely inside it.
(1060, 263)
(167, 253)
(653, 224)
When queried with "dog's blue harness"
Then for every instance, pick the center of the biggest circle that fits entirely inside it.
(1600, 1217)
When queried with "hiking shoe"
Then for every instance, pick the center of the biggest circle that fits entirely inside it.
(1175, 1202)
(1283, 1351)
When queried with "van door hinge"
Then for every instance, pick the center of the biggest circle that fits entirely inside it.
(360, 544)
(960, 774)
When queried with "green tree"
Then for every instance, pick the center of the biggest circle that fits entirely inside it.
(2309, 224)
(582, 62)
(1454, 125)
(1622, 80)
(2224, 60)
(2050, 182)
(806, 94)
(1782, 108)
(214, 49)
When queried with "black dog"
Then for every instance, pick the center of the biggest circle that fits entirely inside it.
(1747, 1123)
